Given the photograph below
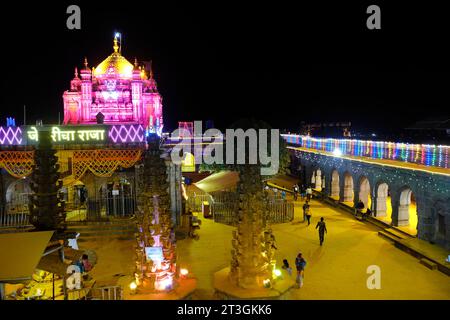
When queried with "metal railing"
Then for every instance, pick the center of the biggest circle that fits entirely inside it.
(100, 293)
(16, 220)
(226, 210)
(102, 208)
(108, 293)
(195, 201)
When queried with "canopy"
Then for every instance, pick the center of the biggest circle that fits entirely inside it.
(221, 181)
(20, 253)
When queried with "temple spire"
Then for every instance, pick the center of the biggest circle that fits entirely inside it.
(86, 63)
(151, 70)
(76, 72)
(135, 63)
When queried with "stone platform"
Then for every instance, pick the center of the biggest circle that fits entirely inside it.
(183, 291)
(227, 290)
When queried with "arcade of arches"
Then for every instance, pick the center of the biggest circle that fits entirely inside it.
(381, 209)
(416, 202)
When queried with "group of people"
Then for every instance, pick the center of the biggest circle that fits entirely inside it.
(359, 207)
(304, 192)
(300, 264)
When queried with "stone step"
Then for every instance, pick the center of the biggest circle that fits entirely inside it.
(396, 233)
(102, 229)
(106, 233)
(101, 223)
(404, 234)
(99, 239)
(429, 264)
(388, 236)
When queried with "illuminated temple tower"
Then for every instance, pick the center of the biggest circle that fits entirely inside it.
(124, 93)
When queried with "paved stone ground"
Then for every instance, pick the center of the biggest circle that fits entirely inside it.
(335, 271)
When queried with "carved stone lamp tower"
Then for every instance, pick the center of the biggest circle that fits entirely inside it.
(251, 272)
(156, 275)
(46, 208)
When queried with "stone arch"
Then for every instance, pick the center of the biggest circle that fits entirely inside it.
(335, 188)
(17, 196)
(348, 194)
(381, 203)
(364, 191)
(406, 211)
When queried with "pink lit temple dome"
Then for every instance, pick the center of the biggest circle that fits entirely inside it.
(124, 93)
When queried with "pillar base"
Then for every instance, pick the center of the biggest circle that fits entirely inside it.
(183, 291)
(225, 289)
(380, 214)
(402, 223)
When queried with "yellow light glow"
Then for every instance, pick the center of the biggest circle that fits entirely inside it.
(184, 272)
(133, 285)
(277, 273)
(121, 66)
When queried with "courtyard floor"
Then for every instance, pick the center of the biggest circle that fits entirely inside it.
(337, 270)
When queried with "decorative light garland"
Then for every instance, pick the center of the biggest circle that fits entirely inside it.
(423, 154)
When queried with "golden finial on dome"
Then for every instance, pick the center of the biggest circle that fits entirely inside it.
(76, 72)
(116, 46)
(85, 63)
(135, 63)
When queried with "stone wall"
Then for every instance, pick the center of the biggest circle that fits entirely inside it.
(431, 191)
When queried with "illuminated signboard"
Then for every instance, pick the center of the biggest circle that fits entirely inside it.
(74, 134)
(68, 134)
(154, 253)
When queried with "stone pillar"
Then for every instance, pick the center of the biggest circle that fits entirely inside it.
(395, 206)
(403, 215)
(380, 206)
(175, 176)
(318, 180)
(334, 187)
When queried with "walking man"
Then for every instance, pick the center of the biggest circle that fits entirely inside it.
(322, 229)
(309, 193)
(305, 208)
(300, 264)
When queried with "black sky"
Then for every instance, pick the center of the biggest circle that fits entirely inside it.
(274, 61)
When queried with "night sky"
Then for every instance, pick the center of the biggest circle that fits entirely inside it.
(276, 62)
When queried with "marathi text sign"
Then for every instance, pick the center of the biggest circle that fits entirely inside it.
(68, 134)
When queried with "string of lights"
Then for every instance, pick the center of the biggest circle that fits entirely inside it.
(423, 154)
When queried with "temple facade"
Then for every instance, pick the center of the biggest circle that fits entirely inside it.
(117, 91)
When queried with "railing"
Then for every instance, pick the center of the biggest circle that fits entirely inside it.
(102, 208)
(108, 293)
(101, 293)
(194, 202)
(226, 211)
(16, 220)
(423, 154)
(280, 211)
